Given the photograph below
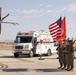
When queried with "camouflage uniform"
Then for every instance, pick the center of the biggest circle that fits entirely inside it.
(70, 56)
(64, 55)
(60, 54)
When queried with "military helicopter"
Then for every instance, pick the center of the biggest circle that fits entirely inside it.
(2, 18)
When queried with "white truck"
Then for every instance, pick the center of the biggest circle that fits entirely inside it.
(33, 43)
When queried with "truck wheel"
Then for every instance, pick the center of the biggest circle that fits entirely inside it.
(31, 54)
(16, 55)
(48, 52)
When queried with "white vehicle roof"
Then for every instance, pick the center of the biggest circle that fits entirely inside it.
(41, 35)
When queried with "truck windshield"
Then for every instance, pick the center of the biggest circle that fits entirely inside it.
(23, 39)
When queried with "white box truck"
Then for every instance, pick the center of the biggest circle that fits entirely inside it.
(32, 43)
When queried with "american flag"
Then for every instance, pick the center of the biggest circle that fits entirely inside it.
(55, 29)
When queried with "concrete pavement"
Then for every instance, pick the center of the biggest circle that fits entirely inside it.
(30, 66)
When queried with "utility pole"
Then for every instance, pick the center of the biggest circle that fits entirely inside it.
(0, 20)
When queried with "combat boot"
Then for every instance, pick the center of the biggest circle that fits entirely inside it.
(70, 70)
(66, 68)
(63, 68)
(60, 67)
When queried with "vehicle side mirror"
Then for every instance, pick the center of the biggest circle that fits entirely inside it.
(34, 41)
(15, 41)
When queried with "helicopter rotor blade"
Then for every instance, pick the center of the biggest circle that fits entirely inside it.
(14, 23)
(1, 20)
(4, 17)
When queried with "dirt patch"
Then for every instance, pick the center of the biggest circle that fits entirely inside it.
(6, 46)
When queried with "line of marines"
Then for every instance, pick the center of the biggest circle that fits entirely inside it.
(66, 55)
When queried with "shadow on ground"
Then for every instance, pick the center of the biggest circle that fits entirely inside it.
(6, 56)
(16, 70)
(20, 56)
(48, 70)
(36, 70)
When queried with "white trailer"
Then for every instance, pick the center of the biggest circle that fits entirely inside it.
(29, 43)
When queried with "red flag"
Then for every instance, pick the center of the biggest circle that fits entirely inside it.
(63, 26)
(63, 30)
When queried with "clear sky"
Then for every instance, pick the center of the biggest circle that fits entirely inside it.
(37, 14)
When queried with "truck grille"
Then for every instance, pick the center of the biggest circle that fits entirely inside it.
(18, 47)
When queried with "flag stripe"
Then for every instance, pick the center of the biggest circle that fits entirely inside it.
(55, 29)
